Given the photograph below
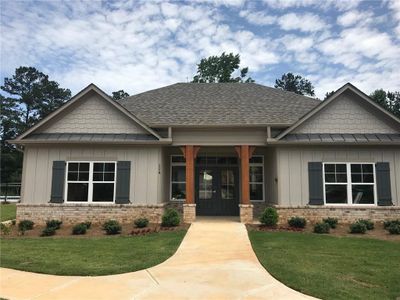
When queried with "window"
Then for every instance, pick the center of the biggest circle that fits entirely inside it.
(91, 182)
(178, 178)
(256, 178)
(349, 183)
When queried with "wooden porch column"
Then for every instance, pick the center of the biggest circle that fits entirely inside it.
(244, 164)
(190, 153)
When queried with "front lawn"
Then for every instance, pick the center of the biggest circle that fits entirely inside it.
(7, 212)
(89, 256)
(331, 267)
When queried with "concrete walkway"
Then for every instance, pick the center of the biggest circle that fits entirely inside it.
(214, 261)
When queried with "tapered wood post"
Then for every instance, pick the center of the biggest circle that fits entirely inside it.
(244, 163)
(190, 153)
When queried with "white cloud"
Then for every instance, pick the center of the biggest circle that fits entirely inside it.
(341, 5)
(258, 18)
(352, 17)
(304, 22)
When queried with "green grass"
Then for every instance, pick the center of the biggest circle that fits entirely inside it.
(331, 267)
(7, 211)
(89, 256)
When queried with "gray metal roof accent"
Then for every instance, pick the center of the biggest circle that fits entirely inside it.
(218, 104)
(90, 137)
(342, 138)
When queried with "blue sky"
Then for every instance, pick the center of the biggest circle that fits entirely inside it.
(141, 45)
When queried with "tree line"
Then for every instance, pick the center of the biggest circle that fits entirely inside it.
(31, 96)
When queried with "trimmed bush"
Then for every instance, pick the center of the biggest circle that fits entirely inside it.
(368, 223)
(80, 228)
(322, 227)
(25, 225)
(88, 224)
(358, 227)
(141, 222)
(112, 227)
(170, 218)
(394, 229)
(269, 217)
(387, 224)
(331, 221)
(297, 222)
(48, 231)
(56, 224)
(5, 229)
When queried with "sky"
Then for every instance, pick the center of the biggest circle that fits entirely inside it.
(141, 45)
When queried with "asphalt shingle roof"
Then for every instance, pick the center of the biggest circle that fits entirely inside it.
(223, 104)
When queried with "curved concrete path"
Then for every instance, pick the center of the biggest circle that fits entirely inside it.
(214, 261)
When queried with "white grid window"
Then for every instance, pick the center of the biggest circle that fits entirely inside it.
(256, 178)
(90, 181)
(349, 183)
(178, 178)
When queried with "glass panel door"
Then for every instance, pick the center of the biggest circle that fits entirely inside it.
(206, 184)
(227, 184)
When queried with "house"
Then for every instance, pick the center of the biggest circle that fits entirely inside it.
(212, 149)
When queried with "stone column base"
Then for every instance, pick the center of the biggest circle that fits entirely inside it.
(246, 213)
(189, 213)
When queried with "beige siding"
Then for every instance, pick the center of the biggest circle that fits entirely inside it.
(292, 168)
(146, 187)
(345, 115)
(225, 136)
(92, 114)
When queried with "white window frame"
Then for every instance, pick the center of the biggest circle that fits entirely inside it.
(174, 164)
(261, 164)
(350, 184)
(90, 182)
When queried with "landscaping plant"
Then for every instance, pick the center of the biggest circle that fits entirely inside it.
(368, 223)
(394, 229)
(5, 229)
(25, 225)
(141, 222)
(48, 231)
(358, 227)
(297, 222)
(322, 227)
(56, 224)
(80, 228)
(170, 218)
(112, 227)
(331, 221)
(269, 217)
(387, 224)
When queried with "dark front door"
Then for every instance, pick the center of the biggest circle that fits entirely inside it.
(217, 191)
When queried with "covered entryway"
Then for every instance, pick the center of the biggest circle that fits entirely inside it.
(217, 186)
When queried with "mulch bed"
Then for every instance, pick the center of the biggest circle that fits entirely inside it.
(94, 231)
(341, 230)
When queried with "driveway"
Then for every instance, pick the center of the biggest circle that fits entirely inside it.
(214, 261)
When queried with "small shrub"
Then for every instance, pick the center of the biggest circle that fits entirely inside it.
(170, 218)
(56, 224)
(358, 227)
(394, 229)
(88, 224)
(269, 217)
(322, 227)
(297, 222)
(331, 221)
(13, 222)
(80, 228)
(387, 224)
(5, 229)
(112, 227)
(368, 223)
(25, 225)
(48, 231)
(141, 222)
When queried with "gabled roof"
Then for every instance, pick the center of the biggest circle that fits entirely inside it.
(90, 88)
(347, 87)
(218, 104)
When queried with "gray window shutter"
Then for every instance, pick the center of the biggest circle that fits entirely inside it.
(383, 184)
(315, 183)
(57, 183)
(123, 182)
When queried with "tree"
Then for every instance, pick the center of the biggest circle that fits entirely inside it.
(388, 100)
(328, 94)
(34, 94)
(221, 69)
(118, 95)
(296, 84)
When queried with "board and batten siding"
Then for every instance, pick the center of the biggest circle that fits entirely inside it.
(292, 168)
(145, 182)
